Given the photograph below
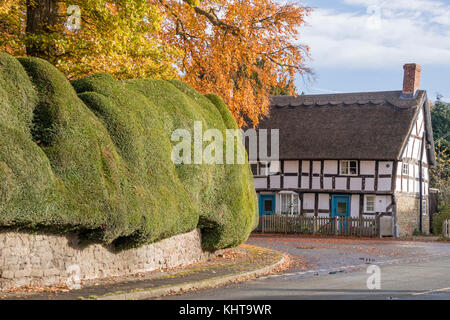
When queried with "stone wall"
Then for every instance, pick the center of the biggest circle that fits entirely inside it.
(30, 259)
(408, 215)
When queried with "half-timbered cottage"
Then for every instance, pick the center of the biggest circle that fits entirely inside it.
(352, 154)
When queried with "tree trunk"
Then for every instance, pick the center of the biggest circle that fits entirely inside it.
(42, 18)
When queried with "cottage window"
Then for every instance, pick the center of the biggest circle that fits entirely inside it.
(405, 169)
(349, 167)
(289, 203)
(254, 167)
(263, 169)
(424, 207)
(370, 204)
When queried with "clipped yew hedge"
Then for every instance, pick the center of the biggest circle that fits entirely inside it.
(94, 156)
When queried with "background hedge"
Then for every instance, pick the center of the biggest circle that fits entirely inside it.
(94, 156)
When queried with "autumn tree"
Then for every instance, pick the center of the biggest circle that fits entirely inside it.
(240, 50)
(243, 51)
(82, 37)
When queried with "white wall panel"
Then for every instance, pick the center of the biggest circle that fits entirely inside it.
(328, 183)
(381, 203)
(316, 183)
(275, 182)
(316, 166)
(384, 184)
(291, 167)
(330, 167)
(354, 206)
(355, 183)
(305, 166)
(308, 201)
(305, 182)
(341, 183)
(370, 184)
(324, 201)
(367, 167)
(290, 182)
(260, 183)
(385, 167)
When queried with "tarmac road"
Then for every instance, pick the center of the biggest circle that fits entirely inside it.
(408, 270)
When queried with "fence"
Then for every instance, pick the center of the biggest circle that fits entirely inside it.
(446, 229)
(368, 227)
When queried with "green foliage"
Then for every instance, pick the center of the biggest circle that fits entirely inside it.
(440, 174)
(97, 159)
(438, 218)
(440, 117)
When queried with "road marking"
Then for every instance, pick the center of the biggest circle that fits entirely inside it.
(289, 276)
(431, 291)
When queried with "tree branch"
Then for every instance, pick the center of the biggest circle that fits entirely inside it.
(212, 18)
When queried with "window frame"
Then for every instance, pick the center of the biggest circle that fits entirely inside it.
(348, 173)
(424, 207)
(254, 163)
(366, 202)
(405, 166)
(294, 210)
(259, 166)
(265, 165)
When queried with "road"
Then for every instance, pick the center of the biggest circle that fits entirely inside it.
(337, 269)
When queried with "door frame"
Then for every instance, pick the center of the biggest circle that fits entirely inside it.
(261, 198)
(334, 202)
(342, 225)
(272, 197)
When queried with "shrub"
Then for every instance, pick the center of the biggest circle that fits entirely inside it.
(438, 218)
(95, 156)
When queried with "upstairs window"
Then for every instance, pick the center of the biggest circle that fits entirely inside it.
(254, 167)
(405, 169)
(349, 167)
(263, 169)
(260, 168)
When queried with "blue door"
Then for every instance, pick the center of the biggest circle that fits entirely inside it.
(340, 207)
(267, 206)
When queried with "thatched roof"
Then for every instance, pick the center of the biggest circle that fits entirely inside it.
(366, 126)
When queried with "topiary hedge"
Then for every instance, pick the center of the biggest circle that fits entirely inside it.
(94, 156)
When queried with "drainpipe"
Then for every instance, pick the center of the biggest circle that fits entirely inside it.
(421, 183)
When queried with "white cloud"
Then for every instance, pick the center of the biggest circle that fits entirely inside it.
(380, 34)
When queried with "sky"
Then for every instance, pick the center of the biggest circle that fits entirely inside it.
(362, 45)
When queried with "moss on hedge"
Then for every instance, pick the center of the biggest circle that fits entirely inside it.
(95, 156)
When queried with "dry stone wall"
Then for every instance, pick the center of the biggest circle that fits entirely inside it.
(37, 259)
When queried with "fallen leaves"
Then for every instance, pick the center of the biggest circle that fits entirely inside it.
(58, 288)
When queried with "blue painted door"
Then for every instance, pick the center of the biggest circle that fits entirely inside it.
(340, 207)
(267, 206)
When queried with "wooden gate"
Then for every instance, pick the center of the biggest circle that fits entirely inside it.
(446, 229)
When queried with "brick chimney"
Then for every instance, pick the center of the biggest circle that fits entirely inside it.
(411, 80)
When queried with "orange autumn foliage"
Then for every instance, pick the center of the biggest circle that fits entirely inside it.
(239, 50)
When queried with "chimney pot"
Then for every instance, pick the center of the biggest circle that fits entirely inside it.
(411, 80)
